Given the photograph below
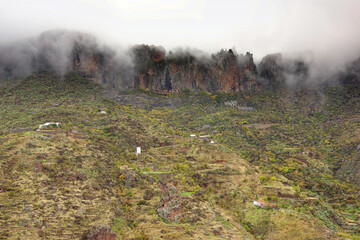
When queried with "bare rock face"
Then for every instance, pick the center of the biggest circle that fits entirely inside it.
(62, 51)
(271, 68)
(152, 68)
(149, 67)
(141, 66)
(99, 233)
(155, 71)
(276, 71)
(236, 73)
(222, 72)
(90, 61)
(170, 205)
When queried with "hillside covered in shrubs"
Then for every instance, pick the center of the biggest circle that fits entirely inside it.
(295, 152)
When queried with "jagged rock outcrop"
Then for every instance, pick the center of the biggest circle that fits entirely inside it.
(222, 72)
(277, 71)
(149, 67)
(63, 51)
(271, 69)
(152, 68)
(181, 70)
(91, 61)
(142, 66)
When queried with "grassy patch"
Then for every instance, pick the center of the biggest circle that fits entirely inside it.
(184, 194)
(156, 172)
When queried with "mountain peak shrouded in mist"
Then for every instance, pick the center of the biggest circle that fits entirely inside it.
(155, 69)
(181, 119)
(329, 29)
(325, 38)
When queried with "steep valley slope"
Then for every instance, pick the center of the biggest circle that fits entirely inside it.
(294, 152)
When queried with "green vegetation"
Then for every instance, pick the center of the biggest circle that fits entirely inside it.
(296, 150)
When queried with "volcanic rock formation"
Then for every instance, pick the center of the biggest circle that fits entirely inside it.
(152, 68)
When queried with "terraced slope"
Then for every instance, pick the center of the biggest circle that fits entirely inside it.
(84, 180)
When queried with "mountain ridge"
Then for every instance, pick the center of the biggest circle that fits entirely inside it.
(152, 68)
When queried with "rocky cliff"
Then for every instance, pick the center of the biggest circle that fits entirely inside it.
(142, 66)
(224, 71)
(277, 71)
(152, 68)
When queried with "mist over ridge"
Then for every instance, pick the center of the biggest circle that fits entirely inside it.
(158, 69)
(180, 119)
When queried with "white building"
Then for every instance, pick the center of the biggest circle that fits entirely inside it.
(47, 124)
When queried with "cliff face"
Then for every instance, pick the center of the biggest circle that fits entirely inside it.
(224, 72)
(277, 71)
(65, 51)
(101, 65)
(271, 69)
(151, 68)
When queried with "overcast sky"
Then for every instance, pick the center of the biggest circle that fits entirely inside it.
(324, 27)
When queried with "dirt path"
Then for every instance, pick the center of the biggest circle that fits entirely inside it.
(15, 130)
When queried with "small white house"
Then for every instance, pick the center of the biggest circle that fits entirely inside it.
(257, 204)
(47, 124)
(192, 135)
(264, 205)
(138, 150)
(204, 137)
(212, 141)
